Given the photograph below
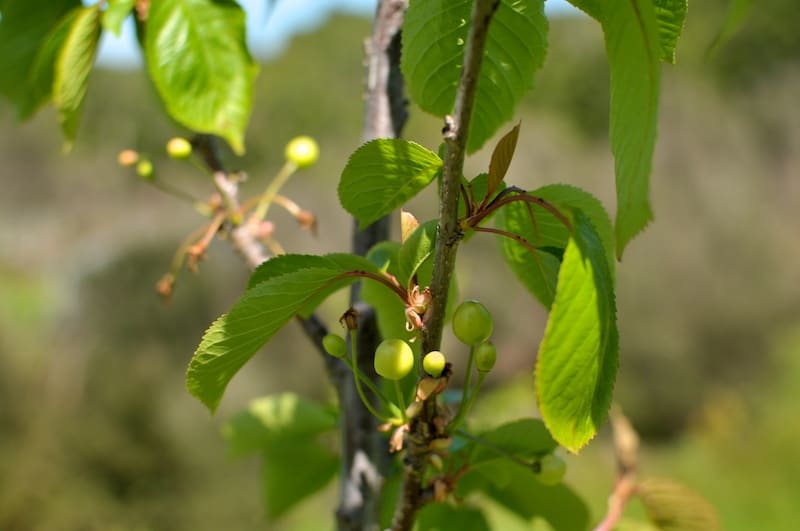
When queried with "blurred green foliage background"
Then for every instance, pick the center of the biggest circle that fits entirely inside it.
(98, 433)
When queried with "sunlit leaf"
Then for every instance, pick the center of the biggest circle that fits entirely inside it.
(40, 77)
(578, 356)
(632, 46)
(382, 175)
(670, 15)
(593, 8)
(550, 236)
(260, 312)
(434, 36)
(389, 309)
(24, 28)
(72, 68)
(115, 14)
(197, 58)
(416, 250)
(271, 418)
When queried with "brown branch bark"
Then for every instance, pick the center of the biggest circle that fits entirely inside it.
(364, 450)
(448, 236)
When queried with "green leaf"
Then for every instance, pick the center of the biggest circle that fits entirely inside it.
(734, 18)
(670, 15)
(294, 469)
(24, 27)
(632, 46)
(197, 57)
(539, 273)
(72, 68)
(593, 8)
(434, 34)
(525, 438)
(40, 77)
(271, 418)
(446, 517)
(674, 507)
(578, 356)
(382, 175)
(501, 159)
(416, 250)
(260, 312)
(525, 496)
(390, 310)
(115, 14)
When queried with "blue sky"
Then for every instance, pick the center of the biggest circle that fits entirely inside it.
(269, 30)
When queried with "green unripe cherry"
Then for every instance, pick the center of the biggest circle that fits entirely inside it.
(472, 323)
(485, 356)
(434, 363)
(335, 345)
(551, 470)
(303, 151)
(179, 148)
(393, 359)
(144, 168)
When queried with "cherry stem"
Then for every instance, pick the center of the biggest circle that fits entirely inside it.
(401, 401)
(394, 286)
(459, 418)
(180, 194)
(278, 199)
(190, 240)
(280, 179)
(504, 198)
(357, 378)
(516, 237)
(468, 203)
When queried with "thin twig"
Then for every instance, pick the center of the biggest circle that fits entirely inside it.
(448, 236)
(626, 445)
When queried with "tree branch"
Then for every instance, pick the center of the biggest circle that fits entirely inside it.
(455, 137)
(423, 429)
(626, 446)
(364, 450)
(251, 250)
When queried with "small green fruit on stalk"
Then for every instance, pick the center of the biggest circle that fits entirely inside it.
(434, 363)
(303, 151)
(179, 148)
(485, 357)
(335, 345)
(393, 359)
(472, 323)
(144, 169)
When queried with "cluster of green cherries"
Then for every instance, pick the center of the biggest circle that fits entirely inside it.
(394, 360)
